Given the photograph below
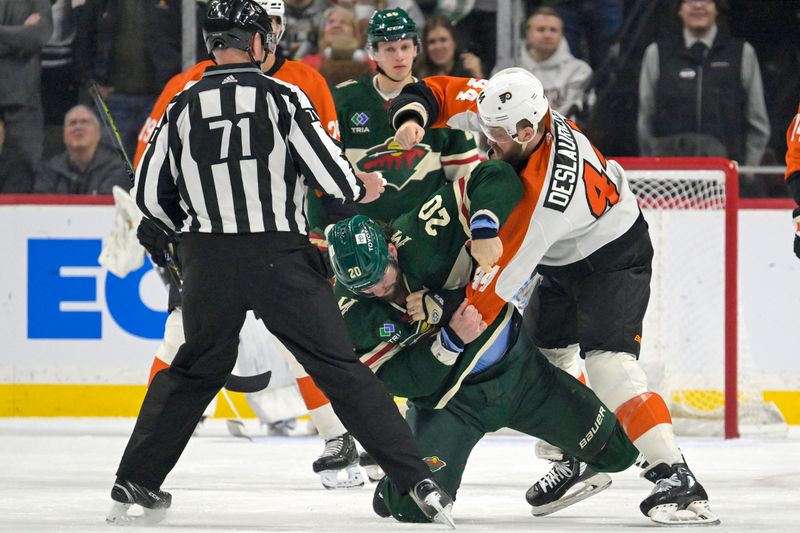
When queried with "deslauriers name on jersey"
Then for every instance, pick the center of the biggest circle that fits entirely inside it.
(564, 175)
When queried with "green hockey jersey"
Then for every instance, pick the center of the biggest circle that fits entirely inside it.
(431, 254)
(411, 175)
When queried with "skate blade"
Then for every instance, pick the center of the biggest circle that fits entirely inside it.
(237, 429)
(588, 487)
(444, 515)
(118, 516)
(330, 478)
(697, 513)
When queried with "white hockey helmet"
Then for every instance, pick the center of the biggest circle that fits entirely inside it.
(275, 8)
(511, 95)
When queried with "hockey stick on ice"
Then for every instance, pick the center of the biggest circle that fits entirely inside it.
(235, 427)
(235, 383)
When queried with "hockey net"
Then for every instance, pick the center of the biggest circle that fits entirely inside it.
(694, 346)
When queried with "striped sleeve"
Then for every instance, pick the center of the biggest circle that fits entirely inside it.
(156, 192)
(460, 156)
(319, 157)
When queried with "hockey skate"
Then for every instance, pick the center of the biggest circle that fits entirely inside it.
(339, 455)
(677, 499)
(434, 502)
(154, 504)
(568, 482)
(374, 472)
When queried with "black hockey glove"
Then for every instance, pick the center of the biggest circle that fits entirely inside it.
(440, 305)
(154, 240)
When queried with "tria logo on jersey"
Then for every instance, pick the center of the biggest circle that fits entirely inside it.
(398, 166)
(359, 122)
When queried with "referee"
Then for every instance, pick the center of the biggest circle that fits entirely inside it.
(228, 167)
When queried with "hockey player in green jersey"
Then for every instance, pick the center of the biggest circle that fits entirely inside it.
(463, 378)
(411, 175)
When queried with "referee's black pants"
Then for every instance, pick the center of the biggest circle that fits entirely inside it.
(284, 279)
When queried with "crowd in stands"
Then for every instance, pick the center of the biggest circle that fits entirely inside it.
(657, 78)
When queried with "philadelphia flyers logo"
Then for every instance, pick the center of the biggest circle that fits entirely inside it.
(505, 97)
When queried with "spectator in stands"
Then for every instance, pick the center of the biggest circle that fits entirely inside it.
(59, 79)
(475, 22)
(590, 26)
(338, 23)
(442, 55)
(131, 48)
(25, 25)
(547, 55)
(700, 92)
(86, 166)
(303, 18)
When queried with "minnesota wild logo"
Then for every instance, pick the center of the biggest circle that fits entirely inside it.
(434, 463)
(398, 166)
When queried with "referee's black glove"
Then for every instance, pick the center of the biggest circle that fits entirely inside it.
(154, 240)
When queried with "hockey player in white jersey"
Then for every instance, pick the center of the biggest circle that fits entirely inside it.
(580, 227)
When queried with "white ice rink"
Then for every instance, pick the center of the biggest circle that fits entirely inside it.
(56, 474)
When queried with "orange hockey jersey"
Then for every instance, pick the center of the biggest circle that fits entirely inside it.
(793, 149)
(575, 200)
(305, 77)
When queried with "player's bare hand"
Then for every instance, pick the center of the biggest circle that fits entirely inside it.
(487, 252)
(373, 183)
(472, 64)
(409, 135)
(467, 322)
(414, 305)
(32, 20)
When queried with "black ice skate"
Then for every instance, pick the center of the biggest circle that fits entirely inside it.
(677, 499)
(434, 502)
(340, 454)
(568, 482)
(154, 504)
(374, 471)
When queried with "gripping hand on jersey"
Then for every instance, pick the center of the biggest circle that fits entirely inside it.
(487, 252)
(409, 135)
(373, 183)
(466, 323)
(434, 307)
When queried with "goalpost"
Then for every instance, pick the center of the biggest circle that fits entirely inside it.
(694, 346)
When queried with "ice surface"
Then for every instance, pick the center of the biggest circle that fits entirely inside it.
(56, 474)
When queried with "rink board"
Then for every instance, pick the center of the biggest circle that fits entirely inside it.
(78, 341)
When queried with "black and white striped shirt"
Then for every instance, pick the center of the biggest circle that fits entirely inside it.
(235, 153)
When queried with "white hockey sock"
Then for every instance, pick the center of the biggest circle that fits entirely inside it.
(326, 421)
(621, 384)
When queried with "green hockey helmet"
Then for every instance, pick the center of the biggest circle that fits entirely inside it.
(358, 252)
(390, 25)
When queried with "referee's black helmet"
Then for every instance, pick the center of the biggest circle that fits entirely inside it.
(232, 23)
